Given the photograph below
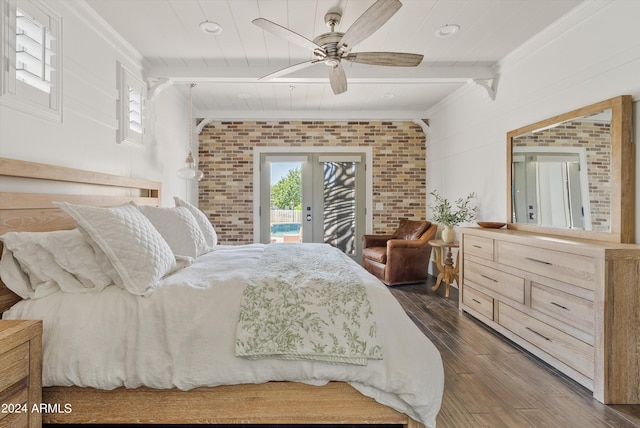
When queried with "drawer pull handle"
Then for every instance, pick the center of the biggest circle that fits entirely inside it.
(489, 278)
(539, 261)
(477, 246)
(477, 301)
(560, 306)
(539, 334)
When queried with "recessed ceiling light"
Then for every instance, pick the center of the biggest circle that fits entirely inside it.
(212, 28)
(447, 30)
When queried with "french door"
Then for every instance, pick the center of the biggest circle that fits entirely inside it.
(313, 197)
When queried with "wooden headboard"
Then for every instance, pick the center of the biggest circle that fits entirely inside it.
(31, 210)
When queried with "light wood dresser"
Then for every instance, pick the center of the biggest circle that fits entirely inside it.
(20, 373)
(574, 303)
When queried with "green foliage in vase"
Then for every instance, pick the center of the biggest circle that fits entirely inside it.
(443, 212)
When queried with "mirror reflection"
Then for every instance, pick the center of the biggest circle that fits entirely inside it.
(561, 175)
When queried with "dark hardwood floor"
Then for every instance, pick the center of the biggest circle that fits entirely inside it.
(491, 382)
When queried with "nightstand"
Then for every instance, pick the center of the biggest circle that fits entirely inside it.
(20, 373)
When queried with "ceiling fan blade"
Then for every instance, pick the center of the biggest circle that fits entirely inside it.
(393, 59)
(286, 34)
(289, 69)
(369, 22)
(338, 79)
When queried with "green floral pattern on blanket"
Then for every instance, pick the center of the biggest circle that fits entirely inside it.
(303, 301)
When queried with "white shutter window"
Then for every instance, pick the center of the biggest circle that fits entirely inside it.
(31, 58)
(33, 52)
(131, 109)
(135, 110)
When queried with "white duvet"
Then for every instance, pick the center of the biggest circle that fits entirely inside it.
(183, 336)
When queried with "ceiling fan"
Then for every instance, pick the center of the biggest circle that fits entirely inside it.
(333, 47)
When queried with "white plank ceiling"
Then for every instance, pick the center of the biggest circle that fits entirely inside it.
(226, 67)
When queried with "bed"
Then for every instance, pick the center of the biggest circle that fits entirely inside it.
(278, 390)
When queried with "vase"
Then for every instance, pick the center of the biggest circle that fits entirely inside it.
(448, 234)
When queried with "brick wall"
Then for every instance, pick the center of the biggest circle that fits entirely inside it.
(226, 157)
(596, 138)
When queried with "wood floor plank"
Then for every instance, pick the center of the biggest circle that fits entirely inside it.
(452, 413)
(536, 418)
(502, 420)
(477, 397)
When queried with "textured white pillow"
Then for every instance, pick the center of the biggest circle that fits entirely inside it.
(137, 252)
(205, 225)
(179, 228)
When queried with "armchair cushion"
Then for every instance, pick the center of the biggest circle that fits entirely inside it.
(377, 254)
(410, 229)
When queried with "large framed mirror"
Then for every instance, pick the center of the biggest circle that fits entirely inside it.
(574, 174)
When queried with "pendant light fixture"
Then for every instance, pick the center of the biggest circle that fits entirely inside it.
(191, 171)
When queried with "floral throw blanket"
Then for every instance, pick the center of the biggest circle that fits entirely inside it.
(304, 301)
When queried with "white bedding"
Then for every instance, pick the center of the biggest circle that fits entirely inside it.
(183, 335)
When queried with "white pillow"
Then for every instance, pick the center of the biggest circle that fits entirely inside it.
(17, 280)
(72, 253)
(54, 260)
(179, 228)
(205, 225)
(137, 252)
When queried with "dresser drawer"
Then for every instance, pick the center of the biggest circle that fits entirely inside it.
(565, 348)
(14, 365)
(478, 301)
(566, 267)
(508, 285)
(478, 246)
(573, 310)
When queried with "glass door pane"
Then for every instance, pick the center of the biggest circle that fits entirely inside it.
(339, 205)
(285, 196)
(339, 201)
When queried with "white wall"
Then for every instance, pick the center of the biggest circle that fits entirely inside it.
(86, 138)
(590, 55)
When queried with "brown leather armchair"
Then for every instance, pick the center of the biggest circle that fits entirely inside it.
(401, 257)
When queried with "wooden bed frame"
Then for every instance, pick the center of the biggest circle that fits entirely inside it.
(269, 403)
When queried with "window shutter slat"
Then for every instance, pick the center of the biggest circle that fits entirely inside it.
(33, 52)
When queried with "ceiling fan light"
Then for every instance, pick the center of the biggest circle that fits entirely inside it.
(334, 46)
(447, 30)
(210, 28)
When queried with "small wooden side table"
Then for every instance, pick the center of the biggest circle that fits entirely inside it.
(448, 270)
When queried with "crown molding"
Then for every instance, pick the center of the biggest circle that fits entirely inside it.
(95, 22)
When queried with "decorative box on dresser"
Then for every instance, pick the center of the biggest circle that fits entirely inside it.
(574, 303)
(20, 373)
